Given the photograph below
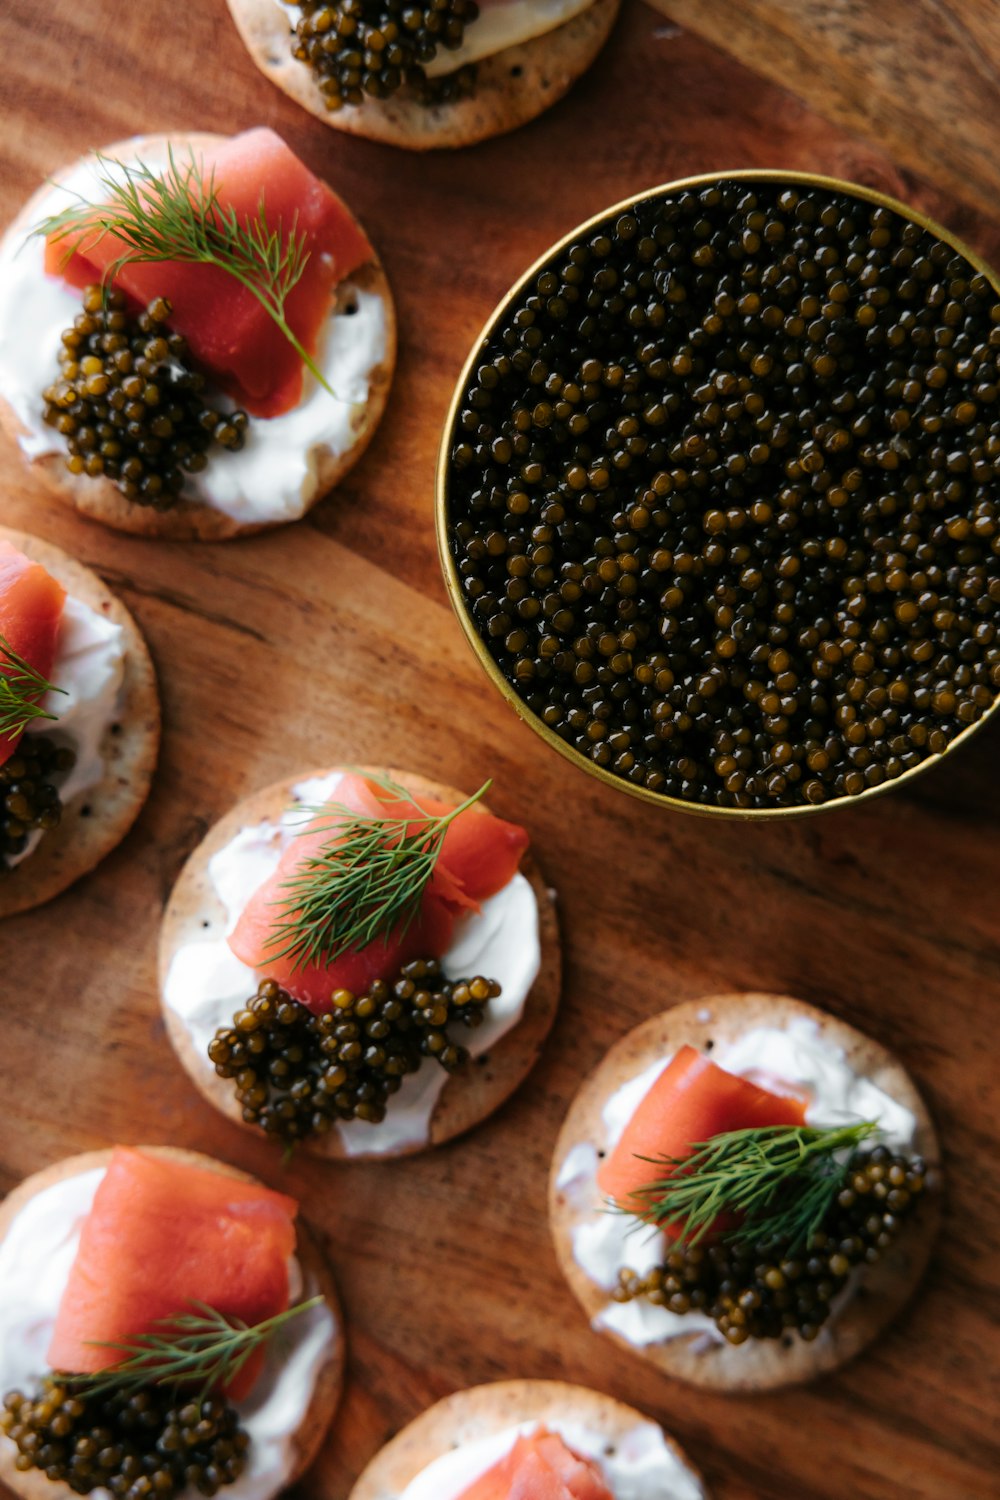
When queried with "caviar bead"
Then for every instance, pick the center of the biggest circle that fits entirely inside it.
(774, 504)
(296, 1072)
(360, 49)
(136, 1445)
(128, 406)
(760, 1291)
(29, 796)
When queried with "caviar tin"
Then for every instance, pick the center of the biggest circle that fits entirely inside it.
(443, 495)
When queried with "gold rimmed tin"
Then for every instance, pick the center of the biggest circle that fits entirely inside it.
(442, 494)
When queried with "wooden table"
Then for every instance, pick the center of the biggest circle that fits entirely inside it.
(333, 640)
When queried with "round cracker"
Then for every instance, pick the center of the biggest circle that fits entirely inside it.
(470, 1415)
(194, 912)
(512, 86)
(129, 749)
(308, 1436)
(100, 499)
(758, 1365)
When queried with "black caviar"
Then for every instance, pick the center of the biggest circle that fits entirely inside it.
(361, 49)
(763, 1291)
(725, 495)
(296, 1072)
(128, 406)
(148, 1444)
(29, 794)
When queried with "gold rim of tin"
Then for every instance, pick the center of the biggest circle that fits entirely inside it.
(442, 509)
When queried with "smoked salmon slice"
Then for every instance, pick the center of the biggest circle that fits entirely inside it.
(692, 1101)
(161, 1235)
(479, 855)
(540, 1467)
(227, 330)
(31, 606)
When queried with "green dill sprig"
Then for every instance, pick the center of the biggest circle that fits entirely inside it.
(366, 882)
(178, 216)
(21, 689)
(204, 1349)
(780, 1181)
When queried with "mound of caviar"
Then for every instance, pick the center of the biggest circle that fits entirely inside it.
(29, 796)
(127, 406)
(296, 1072)
(151, 1443)
(763, 1291)
(362, 49)
(725, 495)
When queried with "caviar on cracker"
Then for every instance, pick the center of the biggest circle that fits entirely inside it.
(343, 946)
(172, 1350)
(212, 335)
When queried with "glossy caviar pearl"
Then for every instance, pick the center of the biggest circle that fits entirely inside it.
(297, 1072)
(768, 1289)
(127, 406)
(29, 795)
(725, 495)
(148, 1445)
(370, 49)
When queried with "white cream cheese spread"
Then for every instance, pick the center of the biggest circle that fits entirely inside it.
(89, 667)
(502, 25)
(604, 1241)
(36, 1256)
(207, 983)
(640, 1466)
(274, 476)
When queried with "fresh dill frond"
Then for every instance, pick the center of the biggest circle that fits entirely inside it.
(21, 691)
(177, 216)
(204, 1349)
(777, 1181)
(365, 882)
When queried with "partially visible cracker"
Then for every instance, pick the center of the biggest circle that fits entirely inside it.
(759, 1364)
(512, 87)
(470, 1415)
(99, 498)
(308, 1436)
(194, 912)
(95, 822)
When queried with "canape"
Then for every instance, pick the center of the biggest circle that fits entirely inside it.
(745, 1192)
(165, 1326)
(527, 1438)
(425, 75)
(79, 721)
(196, 336)
(365, 962)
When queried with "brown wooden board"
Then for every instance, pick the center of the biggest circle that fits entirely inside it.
(920, 76)
(333, 640)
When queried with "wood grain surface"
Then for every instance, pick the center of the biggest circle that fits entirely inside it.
(333, 639)
(920, 76)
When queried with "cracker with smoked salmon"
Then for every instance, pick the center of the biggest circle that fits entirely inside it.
(79, 703)
(166, 1321)
(531, 1438)
(360, 960)
(745, 1192)
(506, 62)
(197, 337)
